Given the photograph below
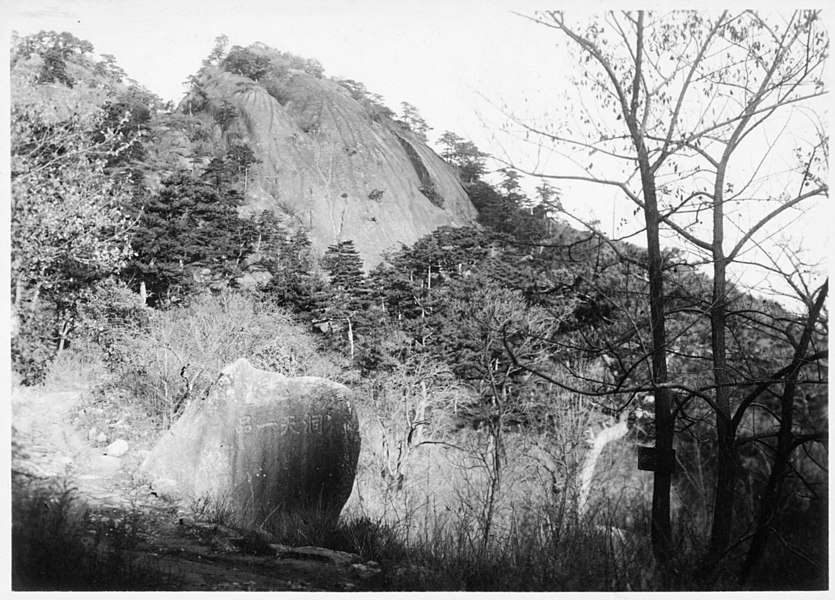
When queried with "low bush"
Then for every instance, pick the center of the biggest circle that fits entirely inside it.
(33, 347)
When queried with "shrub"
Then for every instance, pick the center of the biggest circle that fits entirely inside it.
(105, 316)
(33, 347)
(430, 192)
(245, 62)
(185, 348)
(110, 317)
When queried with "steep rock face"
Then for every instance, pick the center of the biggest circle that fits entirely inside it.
(327, 164)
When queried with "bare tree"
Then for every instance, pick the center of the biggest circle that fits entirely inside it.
(708, 124)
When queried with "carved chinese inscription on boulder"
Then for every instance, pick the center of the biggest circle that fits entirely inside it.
(262, 445)
(317, 424)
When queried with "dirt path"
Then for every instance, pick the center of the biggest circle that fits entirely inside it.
(46, 446)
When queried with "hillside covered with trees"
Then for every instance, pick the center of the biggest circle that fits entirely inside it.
(492, 346)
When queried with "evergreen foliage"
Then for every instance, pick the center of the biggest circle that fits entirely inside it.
(504, 213)
(344, 267)
(127, 120)
(412, 119)
(245, 62)
(188, 227)
(259, 62)
(346, 296)
(467, 160)
(373, 103)
(225, 173)
(55, 50)
(287, 256)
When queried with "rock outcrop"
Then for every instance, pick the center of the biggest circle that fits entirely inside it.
(330, 165)
(261, 447)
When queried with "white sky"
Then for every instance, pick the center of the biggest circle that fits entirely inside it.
(435, 54)
(451, 59)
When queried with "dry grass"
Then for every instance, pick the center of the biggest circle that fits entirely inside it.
(57, 545)
(76, 368)
(431, 495)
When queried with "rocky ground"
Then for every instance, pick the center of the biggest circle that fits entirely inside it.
(48, 447)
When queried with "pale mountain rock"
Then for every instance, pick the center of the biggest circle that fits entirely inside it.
(329, 165)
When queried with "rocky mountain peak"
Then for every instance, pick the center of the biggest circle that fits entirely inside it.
(330, 162)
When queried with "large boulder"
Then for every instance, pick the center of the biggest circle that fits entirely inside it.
(261, 446)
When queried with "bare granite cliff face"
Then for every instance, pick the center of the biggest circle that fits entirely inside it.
(329, 165)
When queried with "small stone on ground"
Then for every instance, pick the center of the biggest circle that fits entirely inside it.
(117, 448)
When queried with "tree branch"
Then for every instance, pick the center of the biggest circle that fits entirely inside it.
(798, 361)
(765, 220)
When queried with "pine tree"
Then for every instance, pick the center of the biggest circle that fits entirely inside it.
(344, 266)
(347, 294)
(186, 227)
(463, 156)
(287, 256)
(411, 117)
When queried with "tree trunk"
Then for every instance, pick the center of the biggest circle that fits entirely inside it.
(723, 503)
(18, 293)
(33, 305)
(16, 308)
(420, 415)
(725, 432)
(494, 473)
(350, 336)
(62, 333)
(662, 539)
